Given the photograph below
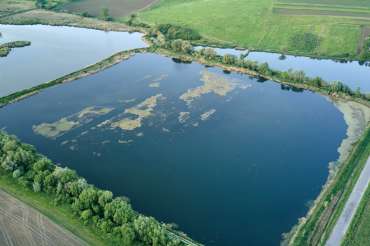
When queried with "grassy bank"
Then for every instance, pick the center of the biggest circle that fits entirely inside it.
(61, 215)
(316, 227)
(358, 232)
(7, 47)
(114, 59)
(253, 24)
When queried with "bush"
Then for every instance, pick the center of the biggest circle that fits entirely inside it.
(177, 32)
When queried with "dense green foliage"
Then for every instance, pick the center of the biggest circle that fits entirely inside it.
(112, 217)
(177, 32)
(304, 41)
(7, 47)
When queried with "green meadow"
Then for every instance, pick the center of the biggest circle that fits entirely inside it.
(253, 24)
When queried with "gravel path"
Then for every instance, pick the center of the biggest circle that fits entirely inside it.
(349, 211)
(22, 225)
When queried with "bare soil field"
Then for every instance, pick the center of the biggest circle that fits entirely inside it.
(117, 8)
(22, 225)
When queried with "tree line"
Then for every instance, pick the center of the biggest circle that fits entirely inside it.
(290, 76)
(113, 217)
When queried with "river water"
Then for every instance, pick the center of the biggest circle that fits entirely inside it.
(232, 160)
(56, 51)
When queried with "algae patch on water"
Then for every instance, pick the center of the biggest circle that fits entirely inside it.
(53, 130)
(65, 124)
(183, 117)
(140, 112)
(155, 85)
(205, 116)
(212, 83)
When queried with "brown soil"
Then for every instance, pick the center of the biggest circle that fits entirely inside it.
(23, 225)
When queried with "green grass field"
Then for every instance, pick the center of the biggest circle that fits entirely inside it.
(359, 232)
(253, 24)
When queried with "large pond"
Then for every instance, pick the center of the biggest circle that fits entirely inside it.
(231, 160)
(56, 51)
(350, 73)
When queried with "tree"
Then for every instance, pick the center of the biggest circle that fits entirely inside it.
(42, 164)
(36, 187)
(208, 53)
(41, 3)
(186, 47)
(229, 59)
(264, 69)
(104, 14)
(131, 20)
(119, 211)
(17, 173)
(86, 215)
(127, 234)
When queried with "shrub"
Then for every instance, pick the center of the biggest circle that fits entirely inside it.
(178, 32)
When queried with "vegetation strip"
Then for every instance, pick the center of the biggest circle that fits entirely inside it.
(112, 218)
(358, 232)
(7, 47)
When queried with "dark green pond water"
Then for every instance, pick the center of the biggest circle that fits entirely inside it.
(238, 166)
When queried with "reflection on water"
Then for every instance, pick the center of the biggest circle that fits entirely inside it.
(56, 51)
(221, 155)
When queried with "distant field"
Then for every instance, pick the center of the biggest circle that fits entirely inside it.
(359, 233)
(322, 9)
(15, 6)
(253, 24)
(363, 3)
(117, 8)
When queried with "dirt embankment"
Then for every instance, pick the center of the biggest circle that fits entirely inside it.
(22, 225)
(357, 117)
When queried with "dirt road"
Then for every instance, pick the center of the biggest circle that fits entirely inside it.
(349, 211)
